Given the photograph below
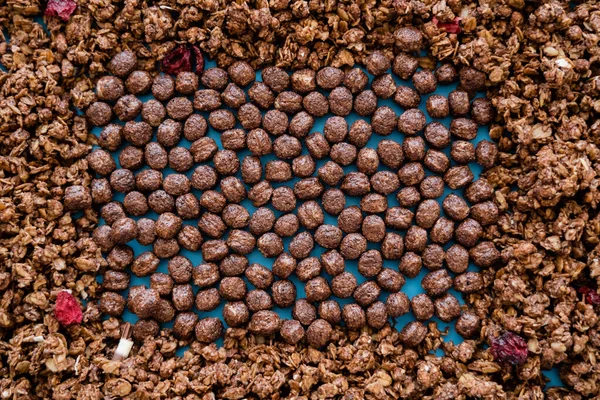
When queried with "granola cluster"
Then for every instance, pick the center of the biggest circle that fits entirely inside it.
(538, 62)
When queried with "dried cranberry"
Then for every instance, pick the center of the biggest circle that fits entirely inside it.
(67, 310)
(509, 348)
(590, 295)
(60, 8)
(180, 60)
(450, 27)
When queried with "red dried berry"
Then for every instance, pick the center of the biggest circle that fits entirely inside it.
(60, 8)
(590, 295)
(450, 27)
(67, 310)
(180, 60)
(509, 348)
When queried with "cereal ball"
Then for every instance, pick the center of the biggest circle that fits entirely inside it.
(275, 122)
(278, 171)
(124, 230)
(447, 308)
(331, 173)
(471, 79)
(249, 116)
(213, 201)
(308, 189)
(264, 323)
(187, 206)
(226, 162)
(259, 276)
(407, 97)
(288, 102)
(234, 139)
(212, 225)
(301, 124)
(433, 256)
(163, 87)
(287, 147)
(131, 158)
(233, 264)
(287, 225)
(301, 245)
(462, 152)
(398, 218)
(397, 304)
(340, 101)
(458, 102)
(446, 74)
(484, 254)
(436, 161)
(390, 153)
(366, 293)
(458, 176)
(432, 187)
(374, 203)
(99, 113)
(317, 289)
(111, 137)
(214, 250)
(153, 112)
(236, 313)
(350, 219)
(415, 239)
(207, 100)
(123, 63)
(411, 121)
(120, 257)
(413, 333)
(360, 133)
(205, 274)
(276, 78)
(184, 324)
(284, 266)
(437, 106)
(370, 263)
(284, 200)
(354, 316)
(169, 133)
(186, 82)
(209, 329)
(468, 282)
(270, 245)
(356, 80)
(343, 153)
(308, 269)
(258, 142)
(373, 228)
(392, 246)
(135, 203)
(319, 333)
(436, 282)
(241, 73)
(233, 96)
(457, 259)
(424, 81)
(408, 197)
(189, 238)
(377, 315)
(427, 213)
(486, 153)
(410, 264)
(144, 303)
(333, 262)
(232, 288)
(468, 324)
(356, 184)
(167, 225)
(304, 81)
(221, 120)
(368, 161)
(486, 213)
(409, 39)
(343, 285)
(127, 108)
(437, 135)
(482, 111)
(115, 280)
(204, 177)
(405, 65)
(328, 236)
(180, 159)
(260, 194)
(316, 104)
(291, 331)
(422, 307)
(414, 148)
(176, 184)
(384, 86)
(284, 293)
(112, 304)
(329, 77)
(179, 108)
(335, 129)
(377, 63)
(215, 78)
(479, 191)
(143, 329)
(77, 198)
(147, 231)
(411, 174)
(109, 88)
(455, 207)
(365, 103)
(304, 312)
(183, 297)
(468, 232)
(463, 128)
(383, 121)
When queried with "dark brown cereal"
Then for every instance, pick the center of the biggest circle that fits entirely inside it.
(468, 324)
(288, 102)
(437, 106)
(365, 103)
(411, 121)
(458, 102)
(455, 207)
(115, 280)
(155, 156)
(284, 266)
(241, 242)
(397, 304)
(205, 274)
(468, 282)
(258, 142)
(204, 177)
(233, 96)
(163, 87)
(241, 73)
(415, 239)
(406, 97)
(343, 285)
(213, 201)
(259, 276)
(301, 124)
(304, 81)
(284, 200)
(463, 128)
(447, 307)
(211, 225)
(356, 184)
(276, 78)
(350, 219)
(124, 230)
(249, 116)
(109, 88)
(316, 104)
(355, 80)
(427, 213)
(180, 159)
(340, 101)
(176, 184)
(471, 79)
(168, 133)
(390, 153)
(422, 307)
(328, 236)
(304, 312)
(101, 162)
(384, 86)
(374, 203)
(187, 206)
(433, 256)
(233, 264)
(383, 121)
(398, 218)
(486, 153)
(414, 148)
(424, 81)
(343, 153)
(373, 228)
(457, 258)
(164, 311)
(437, 135)
(468, 232)
(226, 162)
(462, 152)
(258, 300)
(232, 288)
(354, 316)
(120, 257)
(330, 311)
(123, 63)
(317, 289)
(370, 263)
(458, 176)
(264, 323)
(127, 108)
(153, 112)
(148, 180)
(112, 304)
(179, 108)
(147, 231)
(360, 133)
(366, 293)
(377, 63)
(275, 122)
(367, 161)
(77, 198)
(184, 325)
(221, 120)
(270, 245)
(235, 314)
(479, 191)
(308, 189)
(331, 173)
(446, 74)
(436, 282)
(333, 262)
(291, 331)
(260, 194)
(335, 129)
(442, 231)
(186, 82)
(111, 137)
(251, 170)
(329, 77)
(190, 238)
(408, 196)
(432, 187)
(392, 246)
(405, 65)
(145, 264)
(215, 78)
(183, 297)
(486, 213)
(287, 225)
(235, 216)
(319, 333)
(482, 111)
(278, 171)
(484, 254)
(436, 161)
(411, 174)
(135, 203)
(207, 100)
(287, 147)
(284, 293)
(214, 250)
(377, 315)
(301, 245)
(410, 264)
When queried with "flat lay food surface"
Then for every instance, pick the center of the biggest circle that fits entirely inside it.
(299, 199)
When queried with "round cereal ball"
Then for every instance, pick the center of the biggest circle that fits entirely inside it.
(366, 293)
(370, 263)
(264, 323)
(287, 225)
(462, 152)
(241, 73)
(458, 176)
(350, 219)
(138, 82)
(131, 158)
(209, 329)
(365, 103)
(329, 78)
(468, 324)
(392, 246)
(384, 86)
(412, 121)
(145, 328)
(458, 102)
(469, 282)
(153, 112)
(319, 333)
(333, 262)
(122, 181)
(135, 203)
(304, 312)
(249, 116)
(291, 331)
(486, 153)
(284, 266)
(301, 245)
(471, 79)
(261, 193)
(405, 65)
(284, 293)
(204, 177)
(206, 100)
(354, 316)
(215, 78)
(111, 212)
(304, 81)
(414, 148)
(408, 197)
(383, 121)
(289, 102)
(436, 161)
(120, 257)
(447, 308)
(356, 80)
(287, 147)
(233, 96)
(179, 108)
(278, 171)
(328, 236)
(186, 82)
(343, 285)
(184, 325)
(390, 153)
(127, 108)
(457, 258)
(163, 87)
(124, 230)
(147, 231)
(212, 225)
(112, 304)
(232, 288)
(330, 311)
(168, 225)
(422, 307)
(308, 269)
(259, 276)
(479, 191)
(390, 280)
(109, 88)
(398, 218)
(353, 245)
(123, 63)
(377, 315)
(437, 106)
(432, 187)
(410, 264)
(301, 124)
(270, 245)
(276, 78)
(409, 39)
(377, 63)
(427, 213)
(236, 313)
(343, 153)
(275, 122)
(446, 74)
(424, 81)
(415, 239)
(331, 173)
(233, 189)
(189, 238)
(437, 135)
(226, 162)
(176, 184)
(317, 289)
(406, 97)
(482, 111)
(437, 282)
(484, 254)
(111, 137)
(99, 113)
(251, 170)
(397, 304)
(221, 120)
(367, 161)
(373, 228)
(183, 297)
(433, 256)
(169, 133)
(335, 129)
(284, 200)
(161, 202)
(356, 184)
(413, 334)
(316, 104)
(195, 127)
(374, 203)
(101, 162)
(340, 101)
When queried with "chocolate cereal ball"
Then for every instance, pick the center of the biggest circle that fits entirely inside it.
(367, 161)
(111, 137)
(415, 239)
(374, 203)
(482, 111)
(131, 158)
(101, 162)
(383, 121)
(301, 245)
(291, 331)
(462, 152)
(370, 263)
(288, 102)
(333, 262)
(304, 81)
(330, 311)
(356, 80)
(153, 112)
(384, 86)
(424, 81)
(398, 218)
(163, 87)
(275, 122)
(411, 174)
(437, 135)
(432, 187)
(406, 97)
(340, 101)
(328, 236)
(329, 77)
(484, 254)
(377, 63)
(414, 148)
(241, 73)
(300, 125)
(122, 63)
(112, 304)
(215, 78)
(127, 108)
(437, 106)
(413, 333)
(183, 297)
(109, 88)
(373, 228)
(411, 121)
(410, 264)
(463, 128)
(354, 316)
(377, 315)
(390, 153)
(408, 197)
(99, 113)
(486, 153)
(236, 313)
(184, 325)
(390, 280)
(356, 184)
(366, 293)
(316, 104)
(331, 173)
(189, 238)
(436, 161)
(145, 328)
(360, 133)
(249, 116)
(397, 304)
(186, 82)
(455, 207)
(276, 78)
(446, 74)
(427, 213)
(209, 329)
(405, 65)
(180, 159)
(138, 82)
(120, 257)
(270, 245)
(264, 323)
(437, 282)
(233, 96)
(468, 324)
(304, 312)
(365, 103)
(284, 293)
(221, 120)
(343, 285)
(447, 307)
(433, 256)
(471, 79)
(207, 100)
(458, 102)
(350, 219)
(319, 333)
(422, 307)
